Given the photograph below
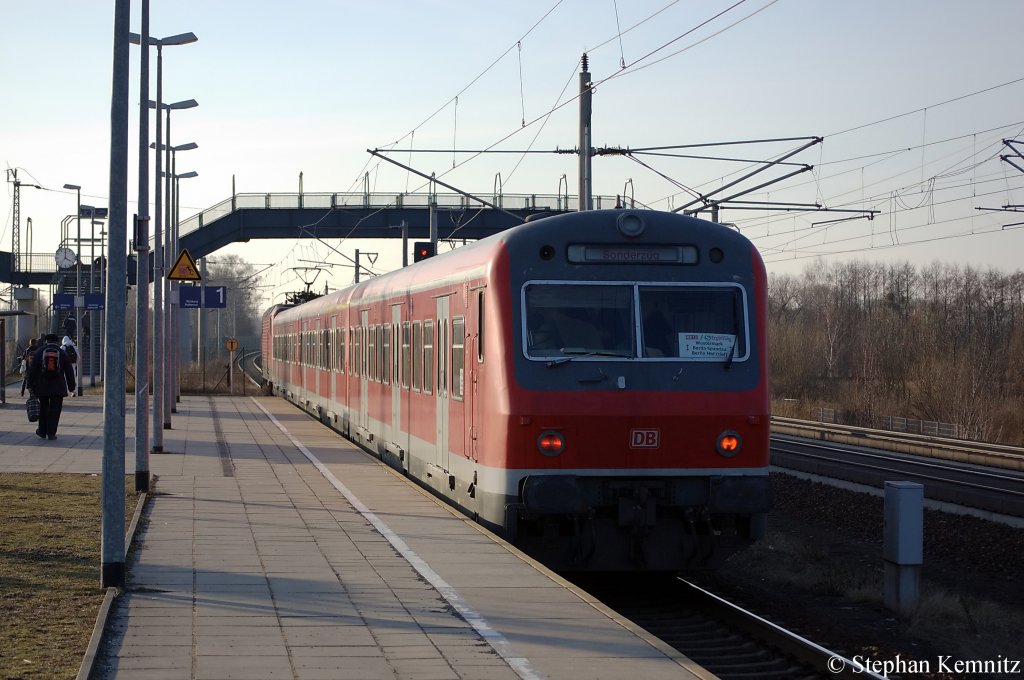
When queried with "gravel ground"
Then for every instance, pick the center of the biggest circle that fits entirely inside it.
(819, 572)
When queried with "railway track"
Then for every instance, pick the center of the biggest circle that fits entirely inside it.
(727, 640)
(958, 450)
(992, 489)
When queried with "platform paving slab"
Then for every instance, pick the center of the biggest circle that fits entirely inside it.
(253, 563)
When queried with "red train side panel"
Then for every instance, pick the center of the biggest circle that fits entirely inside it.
(594, 386)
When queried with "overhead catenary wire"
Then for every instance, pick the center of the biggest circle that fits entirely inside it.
(817, 180)
(618, 28)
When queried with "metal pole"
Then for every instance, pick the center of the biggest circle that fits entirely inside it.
(586, 179)
(432, 217)
(142, 272)
(112, 566)
(104, 280)
(168, 253)
(357, 265)
(93, 334)
(173, 331)
(78, 298)
(158, 273)
(202, 319)
(3, 359)
(405, 244)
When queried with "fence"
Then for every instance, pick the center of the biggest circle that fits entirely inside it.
(929, 428)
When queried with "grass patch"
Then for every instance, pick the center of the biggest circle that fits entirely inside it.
(49, 570)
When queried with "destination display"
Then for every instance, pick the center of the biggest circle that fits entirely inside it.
(706, 345)
(580, 253)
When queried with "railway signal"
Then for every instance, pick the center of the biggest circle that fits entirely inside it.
(422, 250)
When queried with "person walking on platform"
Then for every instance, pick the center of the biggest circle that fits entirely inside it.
(50, 377)
(26, 360)
(71, 350)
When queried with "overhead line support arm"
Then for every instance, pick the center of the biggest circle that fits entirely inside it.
(376, 152)
(814, 140)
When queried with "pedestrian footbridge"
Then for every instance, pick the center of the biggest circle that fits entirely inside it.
(362, 215)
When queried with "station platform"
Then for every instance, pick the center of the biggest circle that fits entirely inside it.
(274, 548)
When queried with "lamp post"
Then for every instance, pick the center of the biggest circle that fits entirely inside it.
(78, 283)
(177, 311)
(172, 227)
(158, 254)
(95, 286)
(141, 238)
(166, 398)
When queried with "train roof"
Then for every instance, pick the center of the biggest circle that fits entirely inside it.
(480, 254)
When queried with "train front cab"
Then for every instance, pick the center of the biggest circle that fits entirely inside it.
(641, 403)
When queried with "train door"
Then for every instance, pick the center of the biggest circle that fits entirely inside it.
(474, 357)
(332, 361)
(318, 372)
(396, 380)
(304, 358)
(441, 376)
(364, 400)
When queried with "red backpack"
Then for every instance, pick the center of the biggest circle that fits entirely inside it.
(51, 361)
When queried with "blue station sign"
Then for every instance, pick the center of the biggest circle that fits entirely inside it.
(94, 301)
(192, 297)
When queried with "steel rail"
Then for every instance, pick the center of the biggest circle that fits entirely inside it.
(805, 651)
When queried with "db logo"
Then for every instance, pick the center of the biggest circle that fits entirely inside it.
(644, 439)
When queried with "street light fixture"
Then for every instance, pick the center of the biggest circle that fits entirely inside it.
(78, 284)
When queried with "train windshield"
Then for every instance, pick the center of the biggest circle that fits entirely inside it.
(689, 322)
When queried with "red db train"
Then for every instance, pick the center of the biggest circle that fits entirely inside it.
(592, 386)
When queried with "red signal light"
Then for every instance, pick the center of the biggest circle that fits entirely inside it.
(422, 250)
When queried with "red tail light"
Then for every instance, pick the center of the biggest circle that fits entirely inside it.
(551, 443)
(729, 443)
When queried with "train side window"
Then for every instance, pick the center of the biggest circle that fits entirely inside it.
(327, 350)
(386, 353)
(458, 365)
(357, 349)
(360, 361)
(442, 356)
(417, 355)
(406, 353)
(428, 357)
(341, 350)
(396, 353)
(480, 326)
(374, 359)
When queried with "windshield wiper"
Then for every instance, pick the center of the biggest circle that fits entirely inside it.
(575, 353)
(732, 353)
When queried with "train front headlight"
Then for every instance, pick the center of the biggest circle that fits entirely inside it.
(551, 442)
(729, 443)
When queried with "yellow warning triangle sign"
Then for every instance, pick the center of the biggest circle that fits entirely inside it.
(184, 268)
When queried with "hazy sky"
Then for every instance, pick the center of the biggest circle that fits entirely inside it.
(306, 87)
